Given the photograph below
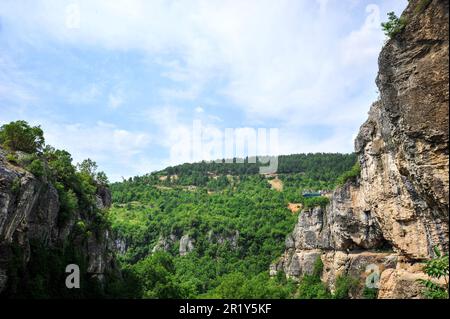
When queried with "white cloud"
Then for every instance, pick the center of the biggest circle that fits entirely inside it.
(172, 133)
(186, 93)
(116, 99)
(277, 57)
(362, 46)
(295, 62)
(186, 139)
(86, 95)
(119, 152)
(199, 109)
(101, 141)
(294, 141)
(15, 84)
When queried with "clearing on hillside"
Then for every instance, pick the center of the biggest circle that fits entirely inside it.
(295, 207)
(276, 184)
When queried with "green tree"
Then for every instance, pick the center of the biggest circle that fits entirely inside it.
(88, 167)
(60, 164)
(20, 136)
(102, 179)
(436, 268)
(394, 25)
(231, 286)
(68, 203)
(345, 286)
(156, 273)
(311, 286)
(351, 174)
(34, 164)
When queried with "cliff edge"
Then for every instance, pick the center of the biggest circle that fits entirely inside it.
(389, 218)
(38, 239)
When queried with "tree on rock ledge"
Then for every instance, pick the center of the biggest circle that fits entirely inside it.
(20, 136)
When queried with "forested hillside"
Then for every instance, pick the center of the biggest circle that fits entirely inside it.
(302, 171)
(212, 230)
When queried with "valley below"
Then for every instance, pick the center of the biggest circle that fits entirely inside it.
(365, 225)
(217, 227)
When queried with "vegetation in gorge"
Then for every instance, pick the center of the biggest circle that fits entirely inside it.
(232, 217)
(234, 220)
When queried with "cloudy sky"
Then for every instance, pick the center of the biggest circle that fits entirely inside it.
(123, 82)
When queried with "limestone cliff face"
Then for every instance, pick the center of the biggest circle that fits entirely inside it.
(29, 209)
(187, 243)
(403, 146)
(397, 210)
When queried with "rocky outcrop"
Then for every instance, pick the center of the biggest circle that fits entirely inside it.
(103, 197)
(186, 245)
(403, 146)
(165, 243)
(120, 245)
(397, 210)
(29, 213)
(222, 239)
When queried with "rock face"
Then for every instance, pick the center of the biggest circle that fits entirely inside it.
(232, 239)
(187, 242)
(29, 211)
(186, 245)
(393, 215)
(165, 243)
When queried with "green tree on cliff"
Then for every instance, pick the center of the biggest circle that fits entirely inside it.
(436, 268)
(394, 25)
(20, 136)
(88, 167)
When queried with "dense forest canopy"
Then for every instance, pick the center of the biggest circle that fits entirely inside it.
(313, 170)
(211, 230)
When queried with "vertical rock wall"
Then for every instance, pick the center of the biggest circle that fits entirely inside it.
(397, 210)
(29, 210)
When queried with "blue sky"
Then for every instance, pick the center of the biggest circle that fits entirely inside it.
(121, 82)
